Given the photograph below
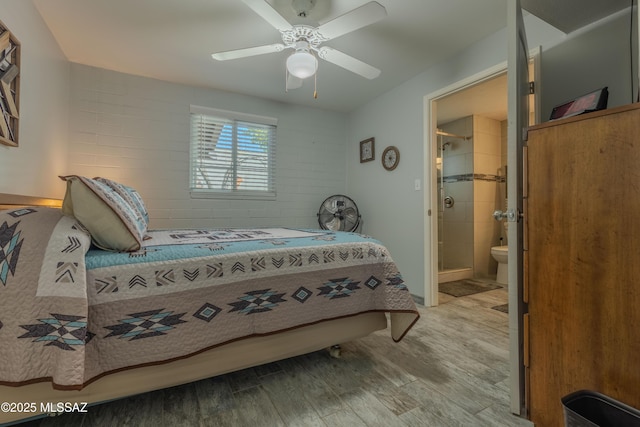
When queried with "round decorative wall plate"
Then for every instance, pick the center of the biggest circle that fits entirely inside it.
(390, 158)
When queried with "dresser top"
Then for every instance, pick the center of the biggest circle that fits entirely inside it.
(587, 116)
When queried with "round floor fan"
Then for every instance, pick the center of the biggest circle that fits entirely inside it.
(339, 213)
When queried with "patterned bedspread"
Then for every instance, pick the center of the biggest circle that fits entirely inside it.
(70, 313)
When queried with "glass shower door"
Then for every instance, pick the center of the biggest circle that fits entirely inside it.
(455, 207)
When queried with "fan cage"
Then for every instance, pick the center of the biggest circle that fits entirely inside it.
(341, 207)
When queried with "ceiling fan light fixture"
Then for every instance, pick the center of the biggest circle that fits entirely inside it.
(302, 64)
(304, 39)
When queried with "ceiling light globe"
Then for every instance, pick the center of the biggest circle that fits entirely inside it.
(302, 64)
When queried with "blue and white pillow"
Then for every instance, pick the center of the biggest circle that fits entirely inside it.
(114, 223)
(131, 196)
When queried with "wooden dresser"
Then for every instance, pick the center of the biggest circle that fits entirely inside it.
(582, 260)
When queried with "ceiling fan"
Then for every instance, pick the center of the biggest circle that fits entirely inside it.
(305, 40)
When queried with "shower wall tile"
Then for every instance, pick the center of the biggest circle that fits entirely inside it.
(485, 229)
(457, 146)
(462, 210)
(486, 125)
(487, 160)
(461, 191)
(486, 135)
(458, 245)
(484, 238)
(485, 226)
(485, 191)
(459, 232)
(486, 163)
(459, 213)
(485, 143)
(457, 164)
(463, 126)
(503, 143)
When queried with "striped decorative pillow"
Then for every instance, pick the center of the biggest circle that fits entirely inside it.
(113, 222)
(131, 196)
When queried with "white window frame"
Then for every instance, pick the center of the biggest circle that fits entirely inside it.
(233, 116)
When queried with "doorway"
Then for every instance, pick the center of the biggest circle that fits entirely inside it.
(446, 105)
(471, 158)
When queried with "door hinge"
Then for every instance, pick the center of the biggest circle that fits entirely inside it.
(532, 88)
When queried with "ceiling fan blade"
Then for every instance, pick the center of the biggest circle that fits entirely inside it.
(360, 17)
(268, 13)
(348, 62)
(250, 51)
(293, 82)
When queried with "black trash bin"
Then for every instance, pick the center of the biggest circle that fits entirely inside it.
(591, 409)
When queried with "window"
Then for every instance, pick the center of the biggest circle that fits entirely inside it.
(232, 154)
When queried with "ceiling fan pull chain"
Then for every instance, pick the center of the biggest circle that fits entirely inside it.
(315, 86)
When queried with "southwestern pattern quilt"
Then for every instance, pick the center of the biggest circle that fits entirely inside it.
(70, 313)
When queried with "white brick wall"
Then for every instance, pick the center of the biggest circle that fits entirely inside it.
(135, 130)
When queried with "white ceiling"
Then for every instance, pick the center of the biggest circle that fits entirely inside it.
(570, 15)
(172, 40)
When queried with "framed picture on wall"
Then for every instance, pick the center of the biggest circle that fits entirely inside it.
(9, 87)
(367, 150)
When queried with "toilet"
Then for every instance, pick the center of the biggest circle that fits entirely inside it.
(500, 254)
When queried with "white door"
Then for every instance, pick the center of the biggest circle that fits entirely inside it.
(518, 120)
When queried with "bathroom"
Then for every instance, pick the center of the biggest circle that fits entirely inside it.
(471, 169)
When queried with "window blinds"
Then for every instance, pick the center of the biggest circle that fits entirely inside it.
(232, 153)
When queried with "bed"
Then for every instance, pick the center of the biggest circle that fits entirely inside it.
(79, 323)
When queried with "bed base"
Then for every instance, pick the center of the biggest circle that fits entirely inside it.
(230, 357)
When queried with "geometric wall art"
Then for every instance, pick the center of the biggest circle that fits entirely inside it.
(9, 87)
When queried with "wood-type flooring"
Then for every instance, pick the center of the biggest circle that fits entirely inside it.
(450, 370)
